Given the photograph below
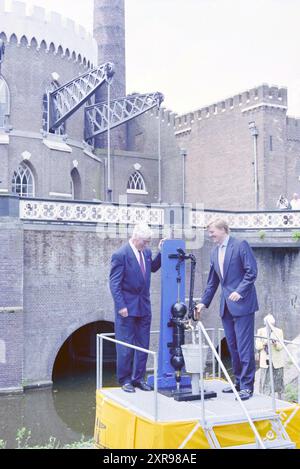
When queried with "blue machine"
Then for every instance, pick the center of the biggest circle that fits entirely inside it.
(174, 319)
(170, 364)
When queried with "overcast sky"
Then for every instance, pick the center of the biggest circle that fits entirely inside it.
(198, 52)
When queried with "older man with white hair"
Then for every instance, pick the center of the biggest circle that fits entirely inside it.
(130, 276)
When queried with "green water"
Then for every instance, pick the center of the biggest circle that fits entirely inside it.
(66, 412)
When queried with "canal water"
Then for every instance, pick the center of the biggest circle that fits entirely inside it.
(66, 412)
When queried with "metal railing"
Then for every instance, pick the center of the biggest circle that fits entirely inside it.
(99, 379)
(221, 368)
(202, 331)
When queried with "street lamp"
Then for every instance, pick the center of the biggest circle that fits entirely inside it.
(254, 132)
(183, 154)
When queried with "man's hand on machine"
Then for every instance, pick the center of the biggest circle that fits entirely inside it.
(161, 243)
(197, 311)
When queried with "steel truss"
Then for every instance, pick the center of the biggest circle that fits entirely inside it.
(101, 116)
(68, 98)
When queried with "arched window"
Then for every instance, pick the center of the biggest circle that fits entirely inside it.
(23, 181)
(136, 184)
(76, 184)
(4, 101)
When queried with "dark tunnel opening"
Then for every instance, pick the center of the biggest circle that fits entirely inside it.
(77, 355)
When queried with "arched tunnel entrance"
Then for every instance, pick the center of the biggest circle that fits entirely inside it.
(77, 355)
(74, 377)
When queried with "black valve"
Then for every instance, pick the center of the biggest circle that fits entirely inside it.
(178, 311)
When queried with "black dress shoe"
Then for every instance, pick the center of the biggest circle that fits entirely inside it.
(229, 389)
(245, 394)
(142, 385)
(128, 387)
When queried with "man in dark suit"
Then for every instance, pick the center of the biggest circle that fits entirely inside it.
(233, 265)
(130, 275)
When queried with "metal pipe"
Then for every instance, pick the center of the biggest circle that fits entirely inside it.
(256, 173)
(159, 158)
(109, 190)
(101, 364)
(201, 378)
(213, 358)
(155, 387)
(254, 132)
(219, 348)
(97, 364)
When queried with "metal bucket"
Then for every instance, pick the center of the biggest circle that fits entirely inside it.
(191, 355)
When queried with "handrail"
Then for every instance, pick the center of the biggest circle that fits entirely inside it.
(257, 435)
(107, 336)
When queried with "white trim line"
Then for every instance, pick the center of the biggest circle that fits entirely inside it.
(136, 191)
(280, 106)
(60, 194)
(4, 190)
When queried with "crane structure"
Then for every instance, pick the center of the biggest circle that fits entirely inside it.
(101, 116)
(65, 100)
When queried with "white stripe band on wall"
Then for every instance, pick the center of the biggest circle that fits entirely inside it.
(60, 194)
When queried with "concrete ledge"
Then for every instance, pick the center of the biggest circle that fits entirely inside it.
(38, 385)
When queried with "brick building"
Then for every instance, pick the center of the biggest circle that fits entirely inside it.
(53, 279)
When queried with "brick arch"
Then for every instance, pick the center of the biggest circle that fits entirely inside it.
(64, 335)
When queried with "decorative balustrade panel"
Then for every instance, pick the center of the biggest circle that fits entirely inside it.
(57, 211)
(248, 221)
(89, 213)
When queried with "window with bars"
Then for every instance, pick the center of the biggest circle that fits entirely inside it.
(4, 102)
(136, 184)
(23, 182)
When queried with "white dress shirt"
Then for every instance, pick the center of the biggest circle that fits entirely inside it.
(221, 254)
(136, 253)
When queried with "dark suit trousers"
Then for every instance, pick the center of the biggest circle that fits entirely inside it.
(134, 330)
(239, 333)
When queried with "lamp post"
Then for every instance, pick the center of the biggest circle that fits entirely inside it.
(183, 154)
(254, 132)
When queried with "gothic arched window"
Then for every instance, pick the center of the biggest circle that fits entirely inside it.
(23, 181)
(4, 101)
(136, 184)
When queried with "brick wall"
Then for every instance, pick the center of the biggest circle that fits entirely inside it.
(11, 304)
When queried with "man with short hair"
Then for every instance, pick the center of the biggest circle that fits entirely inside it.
(130, 276)
(295, 202)
(233, 265)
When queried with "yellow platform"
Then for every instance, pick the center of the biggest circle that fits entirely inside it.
(126, 421)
